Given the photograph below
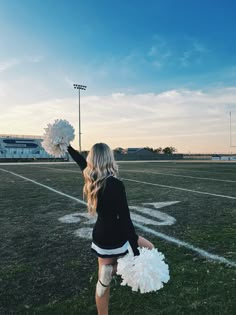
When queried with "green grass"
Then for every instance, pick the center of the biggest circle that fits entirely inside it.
(46, 269)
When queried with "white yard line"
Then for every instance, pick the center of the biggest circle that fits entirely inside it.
(159, 185)
(45, 186)
(145, 172)
(171, 239)
(129, 162)
(59, 169)
(178, 188)
(34, 163)
(177, 175)
(200, 251)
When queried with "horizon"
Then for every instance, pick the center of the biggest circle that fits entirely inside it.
(40, 137)
(158, 75)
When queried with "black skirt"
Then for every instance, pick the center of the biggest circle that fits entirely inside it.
(105, 251)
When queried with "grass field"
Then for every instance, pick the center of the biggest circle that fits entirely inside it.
(47, 268)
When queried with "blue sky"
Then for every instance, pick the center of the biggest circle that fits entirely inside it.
(161, 59)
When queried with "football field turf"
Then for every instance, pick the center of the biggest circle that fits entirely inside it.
(186, 209)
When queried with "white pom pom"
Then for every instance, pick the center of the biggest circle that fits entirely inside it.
(146, 272)
(57, 137)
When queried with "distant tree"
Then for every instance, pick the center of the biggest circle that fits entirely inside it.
(149, 149)
(118, 150)
(158, 150)
(169, 150)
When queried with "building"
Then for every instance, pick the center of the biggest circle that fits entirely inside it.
(22, 147)
(138, 151)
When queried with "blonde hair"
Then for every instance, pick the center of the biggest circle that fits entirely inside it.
(100, 165)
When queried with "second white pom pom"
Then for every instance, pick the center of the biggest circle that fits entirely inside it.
(146, 272)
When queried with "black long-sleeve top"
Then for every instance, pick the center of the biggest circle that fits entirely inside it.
(113, 225)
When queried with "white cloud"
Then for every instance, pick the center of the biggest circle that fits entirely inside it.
(10, 63)
(193, 53)
(7, 64)
(190, 120)
(168, 52)
(160, 52)
(69, 82)
(2, 89)
(34, 58)
(199, 47)
(185, 59)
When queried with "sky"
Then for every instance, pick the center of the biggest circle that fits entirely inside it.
(158, 73)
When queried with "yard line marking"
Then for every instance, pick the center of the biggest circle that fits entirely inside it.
(45, 186)
(192, 170)
(177, 175)
(145, 172)
(178, 188)
(168, 238)
(164, 218)
(59, 169)
(166, 186)
(187, 245)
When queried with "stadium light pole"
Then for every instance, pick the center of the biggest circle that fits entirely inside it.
(79, 87)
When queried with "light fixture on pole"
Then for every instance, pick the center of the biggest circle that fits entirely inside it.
(79, 87)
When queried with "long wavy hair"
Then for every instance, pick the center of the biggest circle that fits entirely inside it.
(100, 165)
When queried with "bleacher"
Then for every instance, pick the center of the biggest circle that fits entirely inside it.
(27, 148)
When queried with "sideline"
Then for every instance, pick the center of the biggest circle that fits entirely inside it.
(137, 161)
(145, 229)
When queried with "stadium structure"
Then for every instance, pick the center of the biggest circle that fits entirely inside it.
(15, 147)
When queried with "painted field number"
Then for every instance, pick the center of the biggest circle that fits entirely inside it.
(149, 215)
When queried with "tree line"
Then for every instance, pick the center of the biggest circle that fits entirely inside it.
(166, 150)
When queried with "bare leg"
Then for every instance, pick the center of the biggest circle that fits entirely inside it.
(143, 242)
(103, 301)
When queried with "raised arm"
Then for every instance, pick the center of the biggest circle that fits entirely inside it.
(77, 157)
(124, 216)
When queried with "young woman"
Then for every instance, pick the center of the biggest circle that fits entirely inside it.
(113, 231)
